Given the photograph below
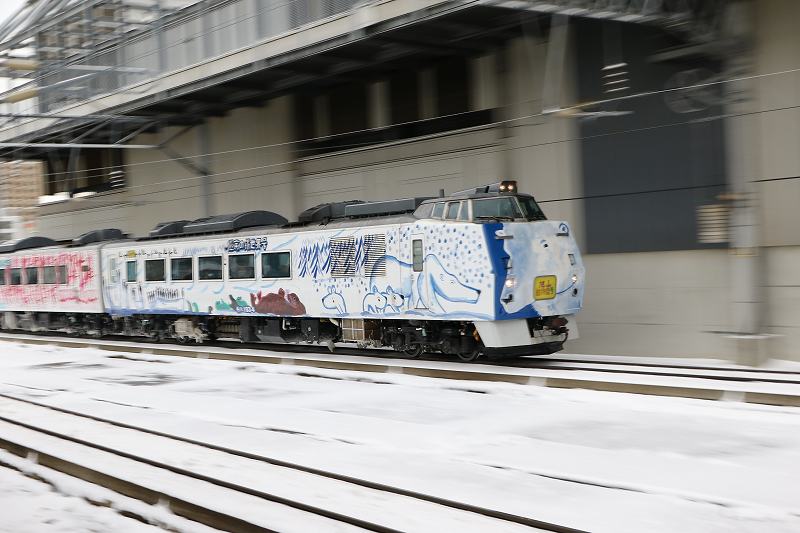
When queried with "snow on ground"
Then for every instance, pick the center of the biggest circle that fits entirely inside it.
(599, 461)
(31, 506)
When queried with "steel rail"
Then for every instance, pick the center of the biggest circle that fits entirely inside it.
(703, 387)
(491, 513)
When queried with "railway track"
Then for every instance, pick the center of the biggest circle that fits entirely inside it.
(761, 386)
(251, 493)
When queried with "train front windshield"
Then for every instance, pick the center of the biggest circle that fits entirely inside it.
(530, 208)
(509, 207)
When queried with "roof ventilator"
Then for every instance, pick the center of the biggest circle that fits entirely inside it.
(234, 222)
(98, 235)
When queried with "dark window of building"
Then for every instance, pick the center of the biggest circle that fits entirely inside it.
(452, 86)
(646, 172)
(16, 276)
(404, 96)
(154, 270)
(2, 276)
(304, 116)
(348, 107)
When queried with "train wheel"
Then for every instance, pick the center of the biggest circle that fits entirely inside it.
(469, 356)
(415, 352)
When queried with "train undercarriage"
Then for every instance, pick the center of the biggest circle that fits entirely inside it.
(414, 338)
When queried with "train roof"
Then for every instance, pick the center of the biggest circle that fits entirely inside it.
(346, 214)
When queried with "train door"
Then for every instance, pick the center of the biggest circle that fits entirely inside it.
(419, 282)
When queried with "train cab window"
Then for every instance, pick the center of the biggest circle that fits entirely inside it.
(424, 211)
(154, 270)
(452, 210)
(417, 254)
(209, 268)
(495, 208)
(61, 274)
(463, 213)
(438, 210)
(276, 265)
(241, 266)
(2, 276)
(531, 209)
(16, 276)
(180, 269)
(49, 275)
(31, 275)
(130, 272)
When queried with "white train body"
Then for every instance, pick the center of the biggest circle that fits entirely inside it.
(419, 282)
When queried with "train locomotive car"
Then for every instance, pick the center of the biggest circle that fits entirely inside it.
(478, 272)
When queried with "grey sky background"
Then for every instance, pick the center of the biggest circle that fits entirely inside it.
(7, 7)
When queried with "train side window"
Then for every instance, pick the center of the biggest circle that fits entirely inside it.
(31, 275)
(130, 272)
(16, 276)
(463, 214)
(416, 252)
(276, 265)
(49, 275)
(452, 210)
(438, 210)
(180, 269)
(210, 268)
(154, 270)
(242, 266)
(61, 274)
(2, 276)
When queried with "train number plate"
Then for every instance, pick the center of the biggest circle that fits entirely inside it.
(544, 288)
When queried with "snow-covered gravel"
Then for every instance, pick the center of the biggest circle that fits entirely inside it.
(603, 462)
(31, 506)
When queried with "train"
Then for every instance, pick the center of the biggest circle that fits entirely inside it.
(480, 272)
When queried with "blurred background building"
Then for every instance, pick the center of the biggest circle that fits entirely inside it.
(665, 131)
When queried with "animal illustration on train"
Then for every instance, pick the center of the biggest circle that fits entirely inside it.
(478, 272)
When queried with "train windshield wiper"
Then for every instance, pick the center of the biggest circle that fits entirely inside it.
(495, 217)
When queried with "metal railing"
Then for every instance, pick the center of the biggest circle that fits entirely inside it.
(181, 39)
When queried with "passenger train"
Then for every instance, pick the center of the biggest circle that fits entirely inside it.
(479, 272)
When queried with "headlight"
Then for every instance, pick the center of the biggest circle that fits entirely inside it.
(574, 278)
(510, 282)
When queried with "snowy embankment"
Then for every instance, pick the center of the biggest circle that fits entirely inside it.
(598, 461)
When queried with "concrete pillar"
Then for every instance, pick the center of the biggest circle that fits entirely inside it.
(747, 305)
(379, 104)
(484, 94)
(204, 149)
(427, 93)
(322, 118)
